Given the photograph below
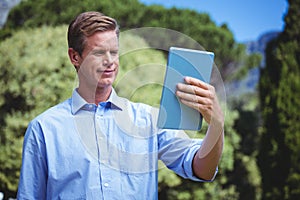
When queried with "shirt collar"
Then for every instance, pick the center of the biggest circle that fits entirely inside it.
(77, 102)
(116, 101)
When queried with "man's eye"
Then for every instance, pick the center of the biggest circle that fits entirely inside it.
(114, 53)
(99, 53)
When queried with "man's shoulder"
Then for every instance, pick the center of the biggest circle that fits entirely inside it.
(58, 111)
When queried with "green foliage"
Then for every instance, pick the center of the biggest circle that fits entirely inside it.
(249, 62)
(247, 126)
(36, 74)
(142, 70)
(279, 95)
(136, 71)
(174, 187)
(36, 13)
(230, 56)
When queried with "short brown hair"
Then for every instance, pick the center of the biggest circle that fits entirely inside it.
(85, 25)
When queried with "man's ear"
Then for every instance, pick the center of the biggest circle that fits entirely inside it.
(74, 58)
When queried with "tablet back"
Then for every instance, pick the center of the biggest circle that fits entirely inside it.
(181, 63)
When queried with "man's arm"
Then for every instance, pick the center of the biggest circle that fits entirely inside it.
(33, 178)
(202, 97)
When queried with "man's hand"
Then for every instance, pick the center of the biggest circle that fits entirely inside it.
(202, 97)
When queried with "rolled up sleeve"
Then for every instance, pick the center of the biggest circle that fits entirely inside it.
(177, 151)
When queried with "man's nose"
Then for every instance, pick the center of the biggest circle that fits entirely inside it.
(107, 61)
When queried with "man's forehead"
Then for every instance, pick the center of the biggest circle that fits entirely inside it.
(101, 40)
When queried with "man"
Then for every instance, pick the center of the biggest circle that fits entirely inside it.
(97, 145)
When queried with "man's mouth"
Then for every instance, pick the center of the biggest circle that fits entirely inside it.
(105, 71)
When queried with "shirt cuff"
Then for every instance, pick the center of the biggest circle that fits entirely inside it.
(188, 168)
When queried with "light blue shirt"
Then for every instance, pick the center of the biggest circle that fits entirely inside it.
(77, 150)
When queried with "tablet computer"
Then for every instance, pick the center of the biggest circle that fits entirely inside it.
(181, 63)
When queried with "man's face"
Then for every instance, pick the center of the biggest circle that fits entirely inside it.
(99, 62)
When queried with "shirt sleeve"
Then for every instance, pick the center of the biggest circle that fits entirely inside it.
(33, 176)
(177, 151)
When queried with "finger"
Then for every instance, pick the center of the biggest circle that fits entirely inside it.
(205, 110)
(192, 97)
(201, 84)
(186, 88)
(191, 89)
(196, 82)
(190, 104)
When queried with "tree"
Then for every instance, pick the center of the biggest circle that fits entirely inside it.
(280, 101)
(245, 165)
(45, 70)
(231, 57)
(35, 74)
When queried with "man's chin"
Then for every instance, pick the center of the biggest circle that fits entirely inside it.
(105, 84)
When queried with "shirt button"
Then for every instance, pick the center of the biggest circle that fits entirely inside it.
(106, 184)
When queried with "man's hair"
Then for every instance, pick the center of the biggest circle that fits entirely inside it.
(85, 25)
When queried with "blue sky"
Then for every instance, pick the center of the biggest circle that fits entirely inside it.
(247, 19)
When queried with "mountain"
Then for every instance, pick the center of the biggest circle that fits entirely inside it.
(259, 45)
(249, 83)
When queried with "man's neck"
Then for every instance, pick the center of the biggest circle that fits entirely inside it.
(95, 96)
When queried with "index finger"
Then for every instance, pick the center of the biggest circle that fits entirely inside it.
(196, 82)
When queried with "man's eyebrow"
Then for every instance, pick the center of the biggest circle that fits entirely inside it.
(105, 49)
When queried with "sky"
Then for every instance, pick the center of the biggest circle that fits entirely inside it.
(247, 19)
